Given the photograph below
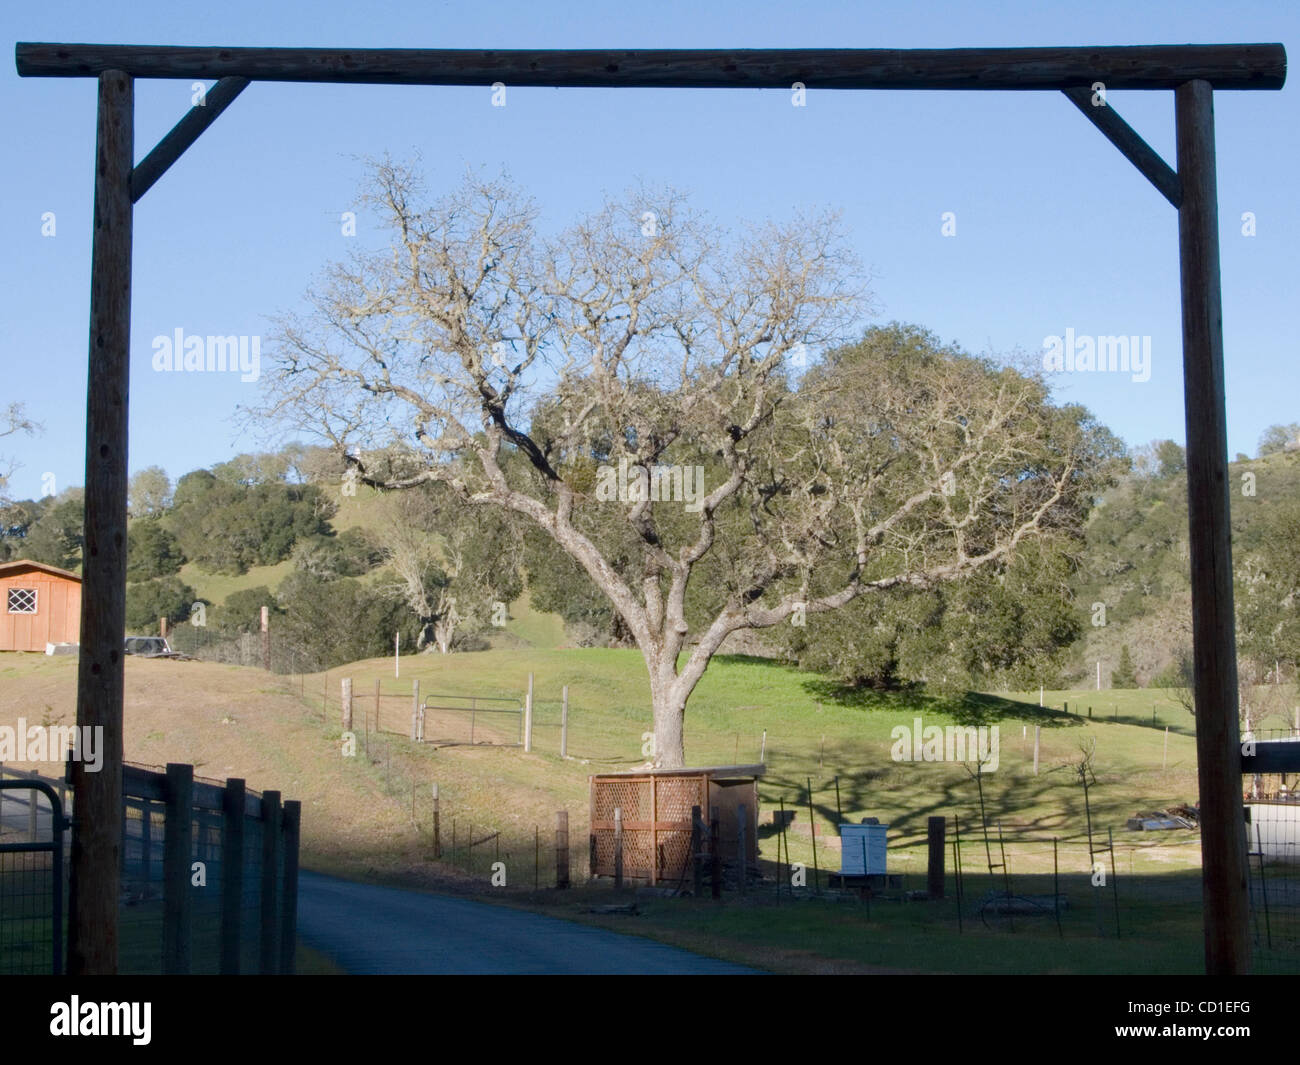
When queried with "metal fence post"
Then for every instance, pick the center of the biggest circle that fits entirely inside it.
(562, 849)
(528, 716)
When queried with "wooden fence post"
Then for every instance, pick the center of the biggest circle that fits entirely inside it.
(1224, 867)
(742, 855)
(564, 723)
(376, 713)
(697, 858)
(177, 847)
(528, 716)
(146, 839)
(95, 870)
(415, 710)
(292, 821)
(232, 874)
(271, 850)
(266, 639)
(618, 848)
(562, 849)
(1037, 730)
(347, 704)
(934, 871)
(715, 853)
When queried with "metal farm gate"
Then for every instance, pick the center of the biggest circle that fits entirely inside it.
(31, 882)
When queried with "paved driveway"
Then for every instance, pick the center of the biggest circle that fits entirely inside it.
(372, 929)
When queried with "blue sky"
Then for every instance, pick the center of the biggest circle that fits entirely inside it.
(1054, 229)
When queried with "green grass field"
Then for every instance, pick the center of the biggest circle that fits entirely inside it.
(828, 756)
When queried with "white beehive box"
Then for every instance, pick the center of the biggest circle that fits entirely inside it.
(863, 850)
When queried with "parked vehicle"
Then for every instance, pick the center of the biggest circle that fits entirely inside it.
(149, 647)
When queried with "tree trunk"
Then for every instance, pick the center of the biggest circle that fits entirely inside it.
(443, 631)
(669, 716)
(668, 695)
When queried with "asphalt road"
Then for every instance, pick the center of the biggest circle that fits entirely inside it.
(368, 929)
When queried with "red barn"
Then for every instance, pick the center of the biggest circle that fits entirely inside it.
(39, 604)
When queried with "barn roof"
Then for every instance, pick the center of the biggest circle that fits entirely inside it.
(7, 568)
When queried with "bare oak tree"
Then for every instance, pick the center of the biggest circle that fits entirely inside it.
(13, 419)
(652, 394)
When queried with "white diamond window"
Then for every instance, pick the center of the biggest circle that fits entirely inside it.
(22, 600)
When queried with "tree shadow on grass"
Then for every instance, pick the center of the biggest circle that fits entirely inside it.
(965, 708)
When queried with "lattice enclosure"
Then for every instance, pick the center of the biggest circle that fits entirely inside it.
(656, 819)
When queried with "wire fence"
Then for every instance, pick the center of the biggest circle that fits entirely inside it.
(208, 875)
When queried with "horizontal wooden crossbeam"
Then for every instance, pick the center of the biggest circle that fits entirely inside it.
(1224, 66)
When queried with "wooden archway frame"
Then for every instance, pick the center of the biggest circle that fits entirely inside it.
(1192, 72)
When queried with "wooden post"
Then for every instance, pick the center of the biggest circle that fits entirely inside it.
(271, 849)
(697, 858)
(232, 874)
(177, 845)
(528, 716)
(1218, 746)
(715, 854)
(292, 820)
(1037, 736)
(162, 627)
(934, 872)
(562, 849)
(415, 710)
(564, 723)
(347, 704)
(618, 848)
(95, 869)
(146, 840)
(742, 855)
(654, 832)
(376, 711)
(266, 640)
